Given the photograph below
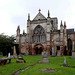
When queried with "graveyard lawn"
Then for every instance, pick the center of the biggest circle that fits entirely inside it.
(55, 64)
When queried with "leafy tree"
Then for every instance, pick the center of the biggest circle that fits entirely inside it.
(6, 43)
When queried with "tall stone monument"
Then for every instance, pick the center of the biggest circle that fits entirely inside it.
(73, 50)
(14, 53)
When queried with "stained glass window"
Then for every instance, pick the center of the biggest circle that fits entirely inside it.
(39, 34)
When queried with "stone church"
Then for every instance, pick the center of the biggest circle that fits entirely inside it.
(43, 35)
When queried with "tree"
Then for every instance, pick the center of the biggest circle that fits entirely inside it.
(6, 42)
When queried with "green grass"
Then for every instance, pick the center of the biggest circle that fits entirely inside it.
(14, 67)
(55, 63)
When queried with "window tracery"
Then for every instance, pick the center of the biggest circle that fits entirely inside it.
(39, 34)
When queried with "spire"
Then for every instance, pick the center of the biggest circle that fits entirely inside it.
(28, 16)
(48, 14)
(18, 28)
(39, 10)
(64, 24)
(61, 23)
(23, 31)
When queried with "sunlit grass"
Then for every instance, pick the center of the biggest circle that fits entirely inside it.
(55, 63)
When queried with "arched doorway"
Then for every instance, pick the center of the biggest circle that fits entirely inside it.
(70, 46)
(38, 49)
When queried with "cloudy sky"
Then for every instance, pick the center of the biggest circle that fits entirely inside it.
(15, 12)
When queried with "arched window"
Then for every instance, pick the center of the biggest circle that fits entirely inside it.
(39, 34)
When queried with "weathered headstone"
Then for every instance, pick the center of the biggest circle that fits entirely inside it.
(8, 55)
(14, 53)
(20, 59)
(53, 52)
(45, 57)
(48, 70)
(73, 50)
(59, 53)
(65, 64)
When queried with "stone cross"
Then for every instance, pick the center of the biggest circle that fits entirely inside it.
(39, 10)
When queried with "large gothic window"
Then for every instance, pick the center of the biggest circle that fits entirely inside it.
(39, 34)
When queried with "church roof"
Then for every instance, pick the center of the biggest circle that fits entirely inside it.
(39, 16)
(70, 31)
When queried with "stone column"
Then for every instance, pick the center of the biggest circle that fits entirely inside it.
(73, 50)
(14, 53)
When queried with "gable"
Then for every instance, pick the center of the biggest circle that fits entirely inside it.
(39, 16)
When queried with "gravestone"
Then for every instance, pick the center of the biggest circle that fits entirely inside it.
(53, 53)
(20, 59)
(45, 57)
(48, 71)
(59, 53)
(8, 55)
(14, 53)
(73, 50)
(65, 64)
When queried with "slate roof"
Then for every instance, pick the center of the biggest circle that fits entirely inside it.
(70, 31)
